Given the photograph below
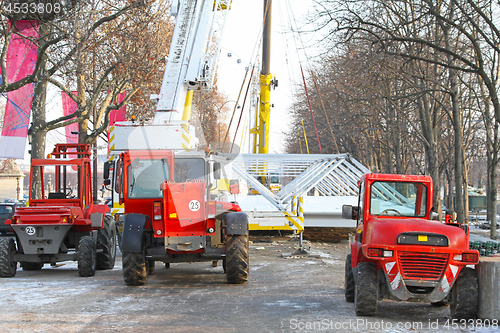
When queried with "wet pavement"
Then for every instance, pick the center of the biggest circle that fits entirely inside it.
(284, 294)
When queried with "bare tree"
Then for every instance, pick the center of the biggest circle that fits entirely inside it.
(465, 40)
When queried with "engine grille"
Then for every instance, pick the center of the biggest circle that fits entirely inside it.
(425, 266)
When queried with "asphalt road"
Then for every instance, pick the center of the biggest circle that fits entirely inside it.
(284, 294)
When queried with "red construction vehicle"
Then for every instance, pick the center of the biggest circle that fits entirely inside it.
(399, 253)
(172, 216)
(64, 223)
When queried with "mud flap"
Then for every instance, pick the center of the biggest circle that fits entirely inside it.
(236, 223)
(133, 233)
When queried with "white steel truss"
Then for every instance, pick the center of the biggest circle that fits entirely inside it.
(331, 175)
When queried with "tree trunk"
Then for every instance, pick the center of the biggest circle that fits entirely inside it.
(466, 188)
(428, 123)
(459, 164)
(492, 195)
(492, 185)
(492, 147)
(457, 129)
(38, 116)
(451, 202)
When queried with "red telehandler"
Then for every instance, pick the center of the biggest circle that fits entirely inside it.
(171, 215)
(399, 253)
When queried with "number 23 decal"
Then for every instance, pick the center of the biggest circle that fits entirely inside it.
(194, 205)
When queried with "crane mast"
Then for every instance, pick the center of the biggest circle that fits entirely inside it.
(261, 139)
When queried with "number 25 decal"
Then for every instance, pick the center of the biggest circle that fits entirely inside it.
(194, 205)
(30, 231)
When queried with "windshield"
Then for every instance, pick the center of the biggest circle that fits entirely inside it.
(398, 199)
(145, 177)
(189, 169)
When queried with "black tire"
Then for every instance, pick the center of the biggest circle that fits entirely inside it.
(349, 280)
(86, 256)
(8, 266)
(135, 269)
(224, 265)
(366, 291)
(106, 241)
(237, 259)
(31, 266)
(151, 267)
(464, 295)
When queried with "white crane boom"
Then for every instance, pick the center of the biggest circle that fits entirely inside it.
(193, 55)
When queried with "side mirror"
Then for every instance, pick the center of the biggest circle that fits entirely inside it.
(234, 186)
(217, 170)
(107, 182)
(349, 212)
(106, 170)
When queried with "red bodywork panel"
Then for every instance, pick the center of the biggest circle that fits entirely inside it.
(377, 231)
(184, 209)
(382, 232)
(50, 214)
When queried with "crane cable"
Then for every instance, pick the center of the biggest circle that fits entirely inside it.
(254, 55)
(242, 108)
(310, 109)
(291, 73)
(295, 28)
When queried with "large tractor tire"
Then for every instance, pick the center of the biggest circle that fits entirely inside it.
(237, 259)
(349, 280)
(135, 269)
(31, 266)
(464, 295)
(8, 266)
(86, 256)
(106, 241)
(366, 291)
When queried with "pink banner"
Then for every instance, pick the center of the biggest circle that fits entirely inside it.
(21, 60)
(121, 114)
(70, 107)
